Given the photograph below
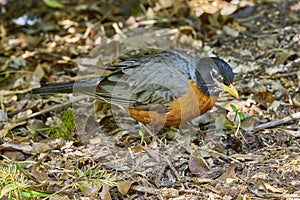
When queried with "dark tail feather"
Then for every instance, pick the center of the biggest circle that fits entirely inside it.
(66, 87)
(53, 88)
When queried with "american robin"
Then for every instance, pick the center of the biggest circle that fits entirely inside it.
(163, 88)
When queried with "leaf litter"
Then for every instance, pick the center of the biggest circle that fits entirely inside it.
(259, 39)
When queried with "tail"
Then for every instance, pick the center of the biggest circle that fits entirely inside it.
(66, 87)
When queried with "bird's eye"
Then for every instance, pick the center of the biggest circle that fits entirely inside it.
(216, 76)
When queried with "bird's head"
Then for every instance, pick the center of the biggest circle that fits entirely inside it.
(214, 75)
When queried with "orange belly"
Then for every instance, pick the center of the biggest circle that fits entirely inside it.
(189, 106)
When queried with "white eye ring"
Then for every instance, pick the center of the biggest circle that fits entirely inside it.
(216, 76)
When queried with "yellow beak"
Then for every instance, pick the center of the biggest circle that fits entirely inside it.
(230, 89)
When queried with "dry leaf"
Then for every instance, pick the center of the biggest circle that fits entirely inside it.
(154, 153)
(282, 57)
(124, 186)
(198, 165)
(39, 71)
(105, 194)
(269, 188)
(248, 123)
(230, 173)
(21, 146)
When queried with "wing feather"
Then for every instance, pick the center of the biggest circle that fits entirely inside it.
(147, 83)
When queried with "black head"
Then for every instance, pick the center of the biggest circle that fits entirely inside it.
(214, 75)
(223, 71)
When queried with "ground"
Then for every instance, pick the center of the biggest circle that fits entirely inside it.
(71, 147)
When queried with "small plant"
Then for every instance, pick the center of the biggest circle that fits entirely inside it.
(238, 113)
(4, 77)
(239, 116)
(14, 184)
(91, 179)
(65, 127)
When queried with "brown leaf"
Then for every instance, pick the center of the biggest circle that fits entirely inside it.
(269, 188)
(39, 173)
(266, 96)
(124, 186)
(14, 155)
(282, 56)
(21, 146)
(39, 71)
(198, 165)
(248, 123)
(230, 173)
(90, 187)
(154, 153)
(105, 194)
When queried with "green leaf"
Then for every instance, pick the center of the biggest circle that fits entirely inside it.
(34, 194)
(240, 197)
(6, 76)
(234, 108)
(141, 133)
(26, 174)
(53, 3)
(213, 20)
(241, 116)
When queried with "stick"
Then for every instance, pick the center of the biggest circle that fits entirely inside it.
(277, 122)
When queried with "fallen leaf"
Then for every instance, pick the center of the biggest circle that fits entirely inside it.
(124, 186)
(39, 71)
(248, 123)
(265, 96)
(105, 194)
(198, 165)
(154, 153)
(229, 173)
(21, 146)
(282, 57)
(269, 188)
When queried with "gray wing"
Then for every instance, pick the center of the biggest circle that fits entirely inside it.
(149, 82)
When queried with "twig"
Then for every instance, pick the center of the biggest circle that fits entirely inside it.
(53, 108)
(219, 155)
(172, 168)
(9, 92)
(277, 122)
(143, 126)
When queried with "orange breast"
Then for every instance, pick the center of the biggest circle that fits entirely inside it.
(187, 107)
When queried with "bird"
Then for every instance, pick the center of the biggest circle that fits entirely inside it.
(163, 88)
